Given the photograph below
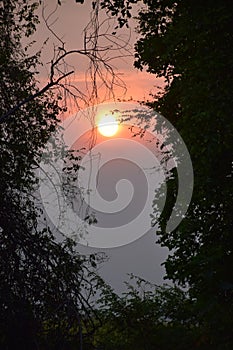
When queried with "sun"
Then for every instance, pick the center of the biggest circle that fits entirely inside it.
(108, 125)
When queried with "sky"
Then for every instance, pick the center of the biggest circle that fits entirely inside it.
(142, 256)
(68, 23)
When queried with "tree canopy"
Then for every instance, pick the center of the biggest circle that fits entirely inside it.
(43, 282)
(188, 42)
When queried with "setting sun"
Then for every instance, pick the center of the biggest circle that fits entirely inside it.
(108, 125)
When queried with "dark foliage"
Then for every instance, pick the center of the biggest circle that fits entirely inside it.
(42, 283)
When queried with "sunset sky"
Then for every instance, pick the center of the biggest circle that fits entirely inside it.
(68, 22)
(141, 257)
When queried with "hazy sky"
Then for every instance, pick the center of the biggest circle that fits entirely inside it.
(68, 22)
(143, 256)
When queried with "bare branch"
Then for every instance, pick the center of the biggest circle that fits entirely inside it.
(32, 97)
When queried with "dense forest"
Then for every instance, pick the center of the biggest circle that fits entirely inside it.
(46, 287)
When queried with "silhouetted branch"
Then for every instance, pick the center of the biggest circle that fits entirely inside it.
(32, 97)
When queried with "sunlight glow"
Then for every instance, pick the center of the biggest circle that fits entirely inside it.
(108, 125)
